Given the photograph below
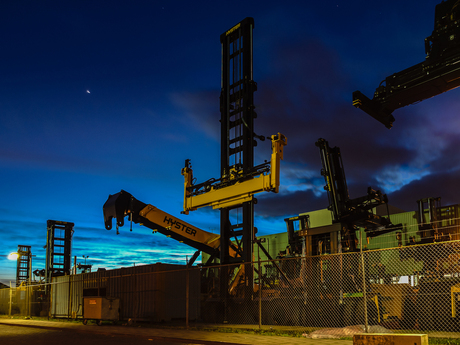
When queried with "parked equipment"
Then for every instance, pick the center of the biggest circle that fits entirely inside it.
(123, 204)
(101, 309)
(351, 214)
(58, 249)
(440, 72)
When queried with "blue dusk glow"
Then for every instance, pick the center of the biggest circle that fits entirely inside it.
(98, 96)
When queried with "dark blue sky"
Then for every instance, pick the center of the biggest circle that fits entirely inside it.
(152, 70)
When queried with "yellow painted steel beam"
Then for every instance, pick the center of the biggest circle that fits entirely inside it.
(241, 191)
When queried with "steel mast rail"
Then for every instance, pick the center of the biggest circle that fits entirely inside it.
(440, 72)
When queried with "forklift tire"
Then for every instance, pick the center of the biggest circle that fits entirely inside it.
(85, 321)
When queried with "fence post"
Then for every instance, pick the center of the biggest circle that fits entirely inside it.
(29, 299)
(366, 329)
(260, 296)
(187, 295)
(69, 300)
(11, 300)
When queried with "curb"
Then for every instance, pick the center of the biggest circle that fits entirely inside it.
(101, 331)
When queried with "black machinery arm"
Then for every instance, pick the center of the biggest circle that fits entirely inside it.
(440, 72)
(120, 205)
(334, 174)
(123, 204)
(352, 212)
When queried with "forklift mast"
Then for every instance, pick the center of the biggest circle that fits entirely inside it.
(297, 228)
(58, 248)
(23, 265)
(351, 213)
(440, 72)
(233, 192)
(237, 130)
(427, 217)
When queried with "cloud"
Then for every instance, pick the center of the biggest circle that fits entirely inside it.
(305, 109)
(393, 178)
(104, 248)
(307, 96)
(276, 206)
(200, 111)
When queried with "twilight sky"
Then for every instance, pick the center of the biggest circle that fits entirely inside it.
(99, 96)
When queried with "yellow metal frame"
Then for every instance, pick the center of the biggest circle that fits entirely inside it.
(239, 192)
(453, 290)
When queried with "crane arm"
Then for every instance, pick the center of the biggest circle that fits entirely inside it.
(412, 85)
(440, 72)
(123, 204)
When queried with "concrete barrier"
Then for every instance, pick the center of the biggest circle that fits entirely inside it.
(389, 339)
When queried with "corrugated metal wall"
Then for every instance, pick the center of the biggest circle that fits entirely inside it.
(67, 296)
(150, 293)
(5, 300)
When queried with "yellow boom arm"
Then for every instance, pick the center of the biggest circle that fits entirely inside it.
(123, 204)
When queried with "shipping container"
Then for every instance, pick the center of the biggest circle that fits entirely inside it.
(147, 293)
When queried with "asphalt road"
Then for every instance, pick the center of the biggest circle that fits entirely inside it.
(30, 335)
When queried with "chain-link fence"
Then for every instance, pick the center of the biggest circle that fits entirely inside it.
(155, 293)
(411, 289)
(24, 300)
(406, 289)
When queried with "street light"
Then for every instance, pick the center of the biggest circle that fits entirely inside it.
(13, 256)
